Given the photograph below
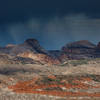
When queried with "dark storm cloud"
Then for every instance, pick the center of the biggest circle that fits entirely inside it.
(52, 22)
(55, 32)
(22, 10)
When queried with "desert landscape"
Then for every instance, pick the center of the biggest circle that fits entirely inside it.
(38, 82)
(49, 49)
(29, 72)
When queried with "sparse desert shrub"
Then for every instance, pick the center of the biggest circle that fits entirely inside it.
(78, 62)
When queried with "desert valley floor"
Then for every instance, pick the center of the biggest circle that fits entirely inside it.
(73, 80)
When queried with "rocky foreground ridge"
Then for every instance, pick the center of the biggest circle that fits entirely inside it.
(31, 52)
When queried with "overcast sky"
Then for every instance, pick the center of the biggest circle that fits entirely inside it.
(53, 22)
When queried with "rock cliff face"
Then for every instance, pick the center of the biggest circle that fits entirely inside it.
(82, 46)
(79, 50)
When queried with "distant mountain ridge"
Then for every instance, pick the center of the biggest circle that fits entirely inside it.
(81, 50)
(32, 52)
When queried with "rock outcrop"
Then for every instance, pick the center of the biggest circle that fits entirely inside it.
(33, 51)
(78, 47)
(30, 45)
(78, 50)
(30, 49)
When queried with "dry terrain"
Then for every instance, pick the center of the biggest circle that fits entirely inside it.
(73, 80)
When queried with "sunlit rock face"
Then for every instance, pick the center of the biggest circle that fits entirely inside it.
(42, 58)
